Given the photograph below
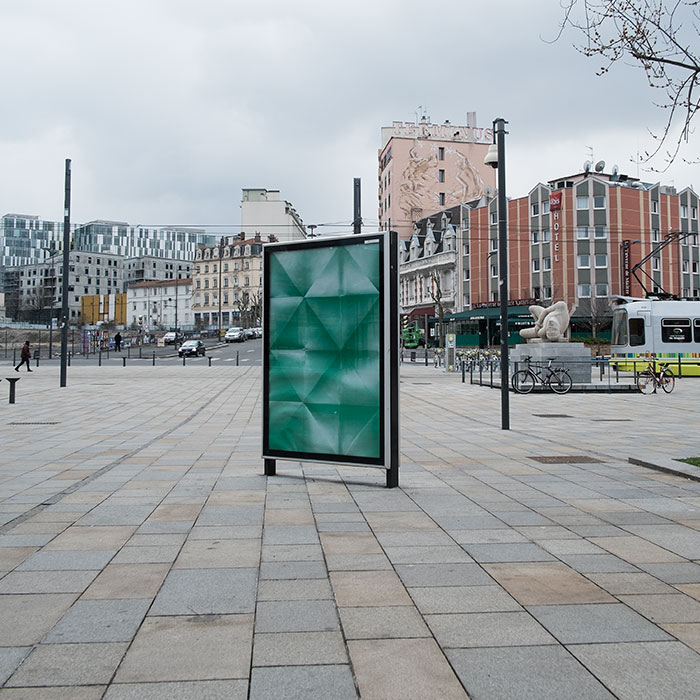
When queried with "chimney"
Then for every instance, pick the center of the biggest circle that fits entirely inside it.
(241, 236)
(257, 237)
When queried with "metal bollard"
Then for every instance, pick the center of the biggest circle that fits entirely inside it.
(99, 359)
(37, 360)
(70, 354)
(464, 371)
(13, 381)
(426, 355)
(14, 356)
(123, 361)
(140, 349)
(210, 361)
(154, 358)
(236, 358)
(183, 360)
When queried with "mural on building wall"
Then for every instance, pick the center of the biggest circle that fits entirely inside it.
(419, 180)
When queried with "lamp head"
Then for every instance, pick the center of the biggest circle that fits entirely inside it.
(492, 156)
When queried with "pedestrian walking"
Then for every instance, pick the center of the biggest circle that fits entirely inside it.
(118, 342)
(26, 355)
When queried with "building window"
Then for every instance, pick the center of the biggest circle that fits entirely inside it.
(441, 198)
(684, 211)
(494, 244)
(584, 291)
(601, 290)
(546, 263)
(599, 202)
(582, 202)
(656, 263)
(601, 260)
(465, 249)
(206, 300)
(695, 267)
(601, 232)
(686, 266)
(441, 153)
(655, 236)
(206, 284)
(466, 275)
(535, 209)
(693, 212)
(225, 267)
(583, 261)
(494, 218)
(441, 176)
(199, 284)
(546, 236)
(206, 268)
(535, 265)
(547, 293)
(582, 232)
(535, 236)
(536, 292)
(545, 210)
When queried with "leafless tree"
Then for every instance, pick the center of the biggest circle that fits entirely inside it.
(659, 36)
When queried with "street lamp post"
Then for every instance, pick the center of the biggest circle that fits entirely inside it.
(66, 273)
(222, 243)
(496, 158)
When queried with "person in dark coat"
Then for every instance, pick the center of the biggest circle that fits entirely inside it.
(26, 355)
(118, 342)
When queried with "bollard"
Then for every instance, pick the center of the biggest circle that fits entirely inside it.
(128, 352)
(13, 381)
(37, 360)
(210, 361)
(14, 356)
(70, 354)
(464, 370)
(140, 348)
(123, 361)
(99, 358)
(183, 360)
(426, 355)
(154, 358)
(236, 358)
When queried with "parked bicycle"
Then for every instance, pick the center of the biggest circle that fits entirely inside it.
(555, 378)
(652, 379)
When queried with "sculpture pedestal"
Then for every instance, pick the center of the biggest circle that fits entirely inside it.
(574, 357)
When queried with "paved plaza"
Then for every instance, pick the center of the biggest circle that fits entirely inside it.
(144, 556)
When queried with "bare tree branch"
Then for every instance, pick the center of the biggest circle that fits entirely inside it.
(659, 36)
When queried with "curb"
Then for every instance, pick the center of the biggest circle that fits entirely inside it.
(677, 471)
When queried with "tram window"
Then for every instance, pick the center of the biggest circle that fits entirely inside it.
(696, 324)
(675, 330)
(637, 331)
(619, 328)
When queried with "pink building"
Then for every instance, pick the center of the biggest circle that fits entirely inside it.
(425, 168)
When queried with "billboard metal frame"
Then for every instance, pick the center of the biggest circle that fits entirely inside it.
(388, 344)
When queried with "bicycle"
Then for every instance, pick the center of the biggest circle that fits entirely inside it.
(650, 380)
(557, 379)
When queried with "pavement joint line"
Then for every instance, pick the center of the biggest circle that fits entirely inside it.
(95, 475)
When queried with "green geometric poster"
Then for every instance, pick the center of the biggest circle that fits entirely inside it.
(324, 358)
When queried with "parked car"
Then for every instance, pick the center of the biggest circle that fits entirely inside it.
(235, 335)
(192, 348)
(172, 337)
(250, 333)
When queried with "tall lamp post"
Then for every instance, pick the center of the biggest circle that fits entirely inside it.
(496, 158)
(222, 243)
(66, 273)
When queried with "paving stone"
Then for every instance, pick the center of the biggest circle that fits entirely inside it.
(597, 563)
(297, 589)
(357, 562)
(419, 670)
(68, 664)
(686, 632)
(296, 616)
(121, 581)
(66, 560)
(382, 623)
(368, 588)
(427, 555)
(448, 574)
(10, 659)
(662, 608)
(230, 515)
(293, 534)
(188, 649)
(507, 552)
(206, 592)
(643, 670)
(292, 552)
(27, 618)
(146, 555)
(463, 599)
(546, 583)
(487, 630)
(293, 570)
(95, 537)
(526, 673)
(73, 692)
(681, 572)
(302, 683)
(116, 515)
(630, 583)
(184, 690)
(299, 649)
(99, 621)
(212, 554)
(635, 550)
(596, 623)
(53, 582)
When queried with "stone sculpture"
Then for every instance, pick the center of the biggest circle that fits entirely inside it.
(550, 324)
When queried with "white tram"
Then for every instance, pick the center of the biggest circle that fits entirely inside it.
(667, 329)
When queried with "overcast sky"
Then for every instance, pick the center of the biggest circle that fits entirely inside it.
(168, 108)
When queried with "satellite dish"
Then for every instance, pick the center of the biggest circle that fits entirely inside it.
(615, 173)
(600, 166)
(587, 166)
(488, 191)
